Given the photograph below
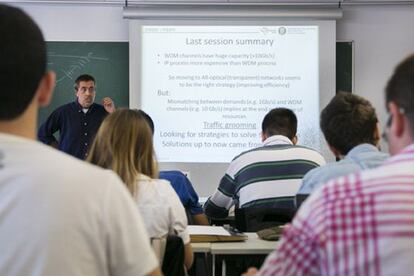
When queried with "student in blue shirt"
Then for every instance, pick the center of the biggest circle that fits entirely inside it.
(351, 129)
(78, 121)
(188, 196)
(183, 187)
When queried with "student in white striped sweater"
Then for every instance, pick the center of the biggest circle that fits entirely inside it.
(268, 176)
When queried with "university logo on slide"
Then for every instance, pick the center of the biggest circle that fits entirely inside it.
(282, 30)
(1, 159)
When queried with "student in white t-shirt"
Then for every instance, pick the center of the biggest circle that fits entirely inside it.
(124, 144)
(58, 215)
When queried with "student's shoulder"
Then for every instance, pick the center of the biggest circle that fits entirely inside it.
(328, 193)
(174, 176)
(163, 186)
(275, 148)
(306, 149)
(255, 151)
(164, 190)
(321, 175)
(259, 154)
(333, 168)
(70, 169)
(55, 175)
(310, 154)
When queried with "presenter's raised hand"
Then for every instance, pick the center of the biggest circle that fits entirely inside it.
(108, 104)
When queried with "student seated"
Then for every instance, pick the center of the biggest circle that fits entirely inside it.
(124, 144)
(182, 187)
(350, 126)
(187, 195)
(363, 223)
(58, 215)
(266, 177)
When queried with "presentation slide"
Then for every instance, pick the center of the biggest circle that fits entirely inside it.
(208, 88)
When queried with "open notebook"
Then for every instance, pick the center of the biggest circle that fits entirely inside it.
(201, 233)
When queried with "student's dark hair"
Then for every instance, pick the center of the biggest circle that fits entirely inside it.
(400, 88)
(348, 121)
(22, 61)
(148, 119)
(280, 121)
(84, 77)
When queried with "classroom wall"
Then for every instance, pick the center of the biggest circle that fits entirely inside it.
(63, 22)
(382, 37)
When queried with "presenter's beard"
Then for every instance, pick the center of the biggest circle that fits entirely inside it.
(87, 102)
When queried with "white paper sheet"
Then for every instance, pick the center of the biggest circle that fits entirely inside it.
(207, 230)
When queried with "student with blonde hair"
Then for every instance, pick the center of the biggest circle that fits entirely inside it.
(124, 144)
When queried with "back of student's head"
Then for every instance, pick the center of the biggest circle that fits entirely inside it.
(22, 61)
(124, 144)
(400, 88)
(348, 121)
(280, 121)
(148, 119)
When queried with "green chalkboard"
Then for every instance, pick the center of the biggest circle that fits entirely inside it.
(344, 66)
(108, 62)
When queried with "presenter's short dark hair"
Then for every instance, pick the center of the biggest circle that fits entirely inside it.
(280, 121)
(84, 77)
(348, 121)
(22, 61)
(400, 88)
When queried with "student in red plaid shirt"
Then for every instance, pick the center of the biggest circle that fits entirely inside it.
(360, 224)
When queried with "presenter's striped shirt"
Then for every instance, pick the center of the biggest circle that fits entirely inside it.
(262, 176)
(360, 224)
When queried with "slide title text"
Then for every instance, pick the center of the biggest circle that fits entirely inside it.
(227, 41)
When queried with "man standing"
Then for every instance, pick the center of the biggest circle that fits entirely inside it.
(351, 129)
(58, 215)
(77, 122)
(363, 223)
(269, 176)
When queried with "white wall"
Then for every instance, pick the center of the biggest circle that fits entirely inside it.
(60, 22)
(383, 36)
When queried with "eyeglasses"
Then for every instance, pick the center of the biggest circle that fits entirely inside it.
(388, 123)
(84, 89)
(384, 135)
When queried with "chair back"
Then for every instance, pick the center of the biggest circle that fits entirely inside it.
(299, 199)
(253, 219)
(173, 263)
